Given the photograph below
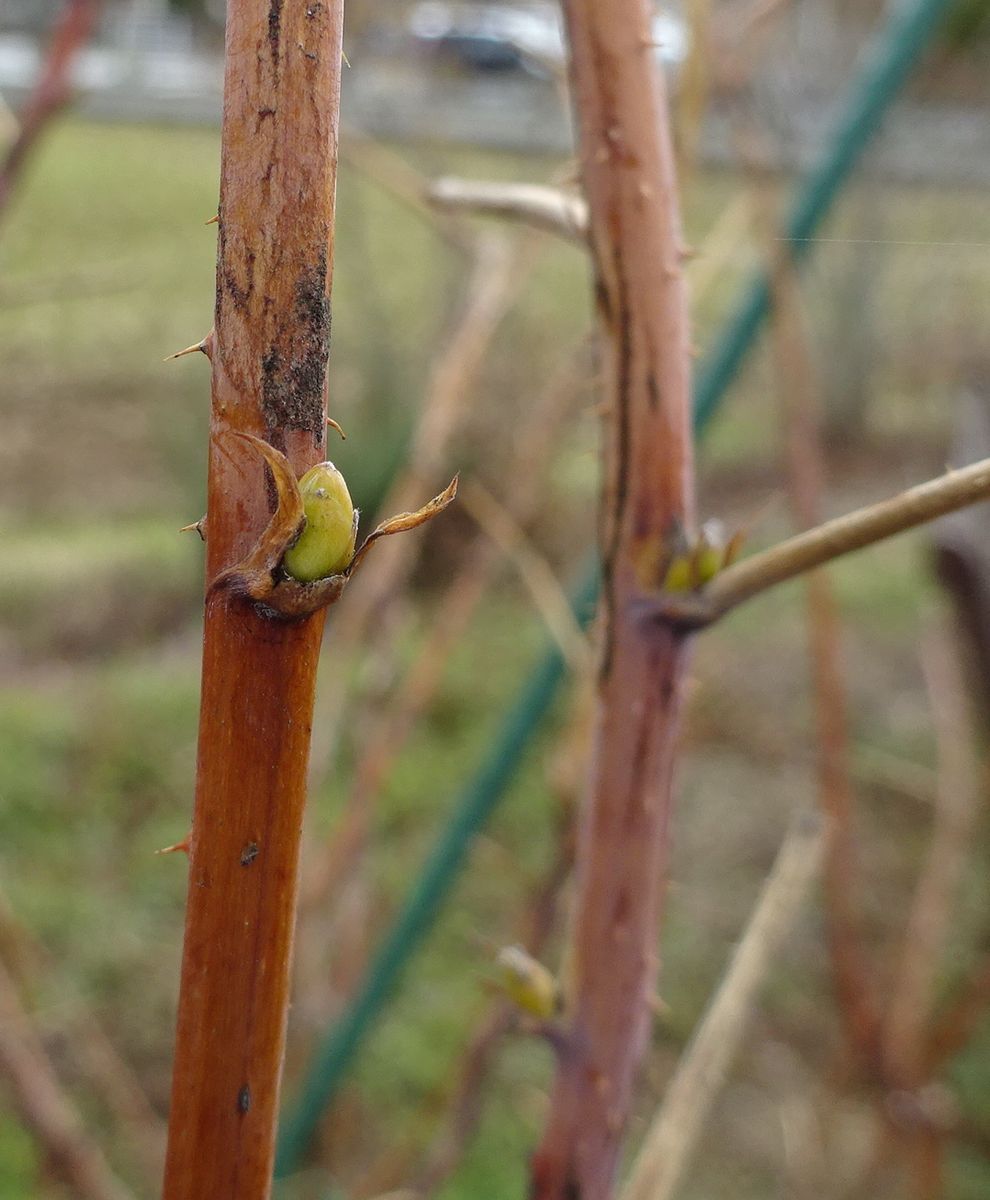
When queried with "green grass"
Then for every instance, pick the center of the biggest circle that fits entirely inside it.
(106, 266)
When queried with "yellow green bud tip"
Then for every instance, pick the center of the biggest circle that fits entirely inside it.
(527, 982)
(326, 544)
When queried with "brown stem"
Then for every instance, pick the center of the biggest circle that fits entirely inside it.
(52, 91)
(43, 1106)
(279, 143)
(827, 542)
(628, 172)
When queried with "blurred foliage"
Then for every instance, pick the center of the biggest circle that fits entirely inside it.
(968, 21)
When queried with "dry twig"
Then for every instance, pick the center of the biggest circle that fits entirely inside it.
(956, 807)
(389, 730)
(394, 175)
(119, 1087)
(543, 586)
(829, 541)
(801, 405)
(498, 273)
(52, 90)
(955, 1025)
(542, 207)
(44, 1107)
(701, 1070)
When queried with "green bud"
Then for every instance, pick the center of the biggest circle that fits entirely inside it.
(680, 574)
(527, 982)
(326, 544)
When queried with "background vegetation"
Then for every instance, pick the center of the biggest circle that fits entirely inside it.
(105, 266)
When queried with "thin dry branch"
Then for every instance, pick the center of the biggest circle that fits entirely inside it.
(52, 90)
(107, 1071)
(390, 729)
(694, 84)
(465, 1107)
(498, 273)
(545, 208)
(829, 541)
(702, 1068)
(463, 1101)
(396, 176)
(44, 1107)
(543, 586)
(559, 212)
(458, 1103)
(707, 266)
(858, 1005)
(534, 438)
(958, 1021)
(956, 807)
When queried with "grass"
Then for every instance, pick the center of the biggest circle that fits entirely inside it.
(104, 272)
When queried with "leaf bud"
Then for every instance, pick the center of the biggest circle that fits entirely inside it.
(326, 544)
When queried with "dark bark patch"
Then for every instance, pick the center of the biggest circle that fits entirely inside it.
(274, 28)
(244, 1100)
(229, 285)
(293, 372)
(653, 389)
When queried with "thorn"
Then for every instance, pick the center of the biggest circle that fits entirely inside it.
(183, 846)
(687, 252)
(346, 60)
(188, 350)
(199, 526)
(213, 220)
(333, 425)
(204, 347)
